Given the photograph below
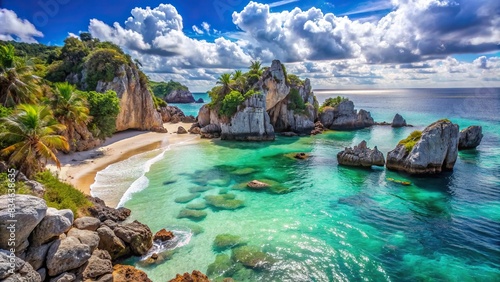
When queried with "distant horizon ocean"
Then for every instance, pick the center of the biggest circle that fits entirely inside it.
(334, 223)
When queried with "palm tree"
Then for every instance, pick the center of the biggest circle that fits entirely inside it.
(17, 82)
(32, 131)
(237, 75)
(225, 81)
(69, 107)
(255, 68)
(239, 80)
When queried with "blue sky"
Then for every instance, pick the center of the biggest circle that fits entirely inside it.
(337, 44)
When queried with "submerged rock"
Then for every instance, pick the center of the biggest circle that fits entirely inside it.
(470, 137)
(344, 117)
(244, 171)
(251, 256)
(398, 121)
(226, 201)
(197, 206)
(192, 214)
(361, 155)
(432, 151)
(223, 266)
(186, 199)
(301, 156)
(226, 241)
(199, 189)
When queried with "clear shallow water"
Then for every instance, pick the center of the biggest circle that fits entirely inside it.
(338, 223)
(193, 108)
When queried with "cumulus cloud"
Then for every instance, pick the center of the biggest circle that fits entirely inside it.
(14, 28)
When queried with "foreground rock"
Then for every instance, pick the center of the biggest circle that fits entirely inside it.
(398, 121)
(127, 273)
(66, 254)
(136, 234)
(22, 270)
(345, 117)
(195, 276)
(180, 96)
(361, 155)
(433, 151)
(470, 137)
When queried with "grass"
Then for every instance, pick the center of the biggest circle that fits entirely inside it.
(411, 140)
(61, 195)
(20, 187)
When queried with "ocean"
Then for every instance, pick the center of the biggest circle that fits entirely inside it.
(324, 222)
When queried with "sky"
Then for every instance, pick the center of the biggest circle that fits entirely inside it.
(362, 44)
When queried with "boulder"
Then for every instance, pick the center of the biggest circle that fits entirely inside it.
(87, 223)
(66, 254)
(195, 276)
(137, 109)
(98, 265)
(200, 101)
(109, 242)
(398, 121)
(188, 119)
(64, 277)
(250, 123)
(21, 270)
(361, 155)
(204, 116)
(55, 223)
(470, 137)
(180, 96)
(35, 187)
(102, 212)
(210, 131)
(181, 130)
(137, 235)
(433, 150)
(36, 255)
(195, 130)
(29, 212)
(87, 237)
(127, 273)
(163, 235)
(344, 117)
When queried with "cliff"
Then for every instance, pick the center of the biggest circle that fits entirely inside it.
(137, 110)
(433, 150)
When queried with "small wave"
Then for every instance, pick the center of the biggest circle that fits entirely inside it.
(182, 237)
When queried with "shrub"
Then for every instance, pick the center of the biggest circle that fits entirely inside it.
(21, 188)
(104, 108)
(295, 102)
(102, 65)
(411, 140)
(61, 195)
(158, 102)
(230, 103)
(332, 102)
(292, 79)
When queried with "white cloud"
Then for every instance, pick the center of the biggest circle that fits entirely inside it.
(14, 28)
(206, 27)
(197, 30)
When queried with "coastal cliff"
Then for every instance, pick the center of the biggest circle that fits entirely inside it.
(433, 150)
(137, 109)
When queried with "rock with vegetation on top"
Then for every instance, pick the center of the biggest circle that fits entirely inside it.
(343, 116)
(195, 276)
(433, 150)
(66, 254)
(398, 121)
(55, 223)
(226, 241)
(470, 137)
(22, 271)
(179, 96)
(29, 212)
(127, 273)
(137, 235)
(137, 109)
(361, 155)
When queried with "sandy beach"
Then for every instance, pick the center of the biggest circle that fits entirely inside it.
(80, 168)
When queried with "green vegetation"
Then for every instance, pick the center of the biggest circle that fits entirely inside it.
(20, 187)
(159, 102)
(104, 108)
(103, 65)
(162, 89)
(292, 79)
(32, 132)
(61, 195)
(226, 241)
(411, 140)
(230, 103)
(332, 102)
(295, 102)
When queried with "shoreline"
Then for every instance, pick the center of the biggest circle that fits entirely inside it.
(80, 168)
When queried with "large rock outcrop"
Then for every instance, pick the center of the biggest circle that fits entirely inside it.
(398, 121)
(251, 124)
(470, 137)
(345, 117)
(361, 155)
(436, 150)
(179, 96)
(137, 108)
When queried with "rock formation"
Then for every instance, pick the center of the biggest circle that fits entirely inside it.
(361, 155)
(434, 151)
(179, 96)
(398, 121)
(51, 246)
(137, 108)
(470, 137)
(195, 276)
(344, 117)
(127, 273)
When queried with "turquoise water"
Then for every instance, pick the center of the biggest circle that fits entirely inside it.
(192, 108)
(322, 222)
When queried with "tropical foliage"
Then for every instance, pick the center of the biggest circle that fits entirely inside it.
(410, 141)
(104, 108)
(332, 102)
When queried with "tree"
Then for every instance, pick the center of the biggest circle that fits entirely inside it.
(225, 81)
(85, 36)
(33, 131)
(69, 107)
(255, 68)
(17, 82)
(104, 108)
